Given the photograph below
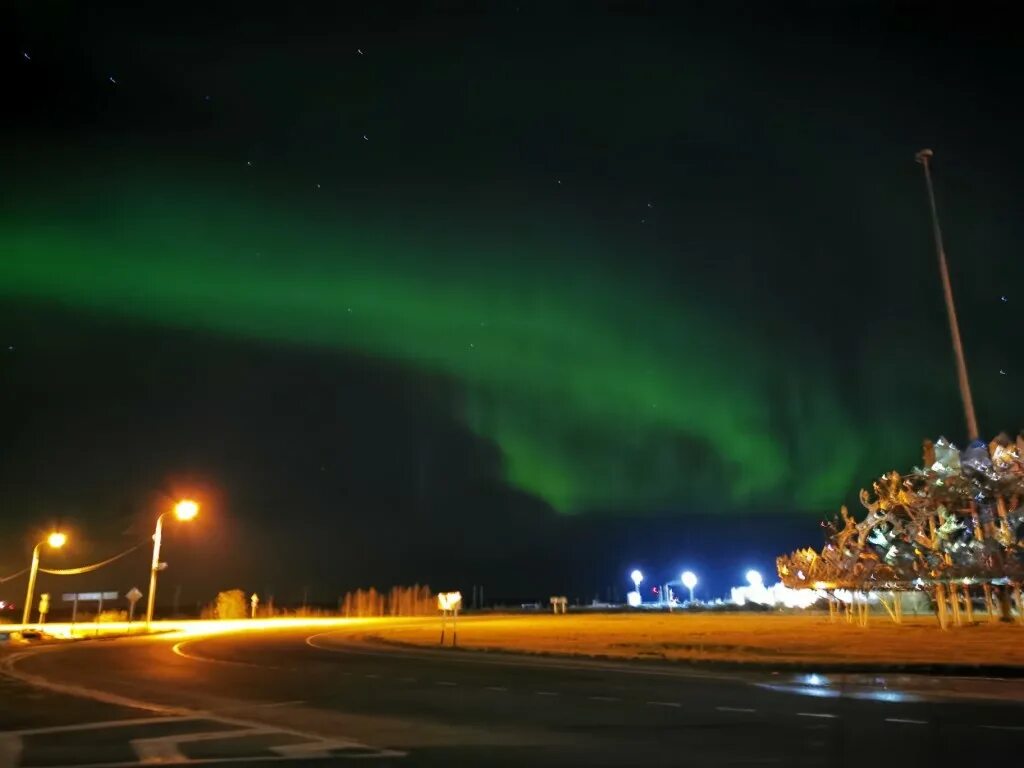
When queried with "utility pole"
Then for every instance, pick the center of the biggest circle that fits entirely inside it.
(924, 158)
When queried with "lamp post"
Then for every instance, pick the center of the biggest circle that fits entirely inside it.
(55, 540)
(924, 158)
(186, 509)
(689, 579)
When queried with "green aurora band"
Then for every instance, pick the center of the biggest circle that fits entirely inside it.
(601, 389)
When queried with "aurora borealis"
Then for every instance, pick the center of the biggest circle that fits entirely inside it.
(537, 270)
(600, 391)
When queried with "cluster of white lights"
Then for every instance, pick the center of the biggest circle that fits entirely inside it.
(778, 594)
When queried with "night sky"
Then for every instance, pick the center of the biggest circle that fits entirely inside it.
(520, 294)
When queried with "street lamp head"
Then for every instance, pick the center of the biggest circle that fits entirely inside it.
(57, 539)
(637, 577)
(924, 156)
(186, 509)
(689, 579)
(754, 578)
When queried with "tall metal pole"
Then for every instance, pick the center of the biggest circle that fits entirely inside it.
(27, 613)
(924, 158)
(151, 597)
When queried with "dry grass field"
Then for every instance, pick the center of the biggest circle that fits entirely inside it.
(736, 637)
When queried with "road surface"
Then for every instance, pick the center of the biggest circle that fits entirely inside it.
(314, 697)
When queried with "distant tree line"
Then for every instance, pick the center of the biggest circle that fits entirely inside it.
(400, 601)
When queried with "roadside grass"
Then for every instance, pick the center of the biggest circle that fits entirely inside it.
(735, 638)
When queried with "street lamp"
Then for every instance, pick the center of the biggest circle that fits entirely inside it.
(55, 540)
(184, 510)
(637, 577)
(689, 579)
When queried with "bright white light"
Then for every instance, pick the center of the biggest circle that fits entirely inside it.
(689, 579)
(633, 599)
(449, 601)
(779, 594)
(754, 578)
(637, 577)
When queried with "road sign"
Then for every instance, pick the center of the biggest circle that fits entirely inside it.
(73, 597)
(133, 596)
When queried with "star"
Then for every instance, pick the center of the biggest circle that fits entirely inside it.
(1003, 298)
(206, 98)
(248, 162)
(650, 205)
(27, 57)
(111, 79)
(360, 51)
(1002, 371)
(365, 137)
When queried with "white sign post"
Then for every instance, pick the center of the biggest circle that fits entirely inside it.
(133, 595)
(254, 602)
(449, 603)
(44, 606)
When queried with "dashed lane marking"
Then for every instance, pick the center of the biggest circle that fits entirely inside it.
(735, 709)
(603, 698)
(500, 688)
(447, 683)
(546, 693)
(827, 715)
(1004, 727)
(675, 704)
(906, 720)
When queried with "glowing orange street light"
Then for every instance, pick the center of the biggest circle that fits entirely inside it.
(184, 510)
(56, 540)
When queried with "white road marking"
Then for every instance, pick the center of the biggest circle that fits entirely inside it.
(176, 649)
(353, 646)
(372, 677)
(100, 724)
(816, 714)
(164, 749)
(8, 667)
(906, 720)
(664, 704)
(603, 698)
(496, 688)
(274, 704)
(446, 682)
(735, 709)
(545, 693)
(1004, 727)
(407, 679)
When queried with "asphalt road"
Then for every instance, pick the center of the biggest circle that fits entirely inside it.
(314, 698)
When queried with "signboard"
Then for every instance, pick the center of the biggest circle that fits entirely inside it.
(72, 597)
(449, 601)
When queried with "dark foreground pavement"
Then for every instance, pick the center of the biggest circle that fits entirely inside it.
(306, 698)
